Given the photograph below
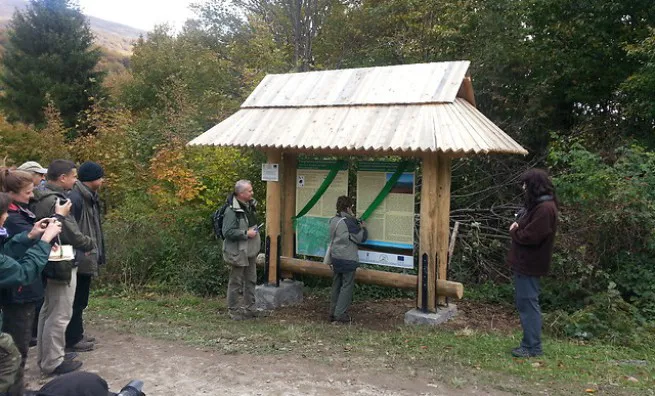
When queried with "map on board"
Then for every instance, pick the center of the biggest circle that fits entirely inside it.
(312, 229)
(392, 223)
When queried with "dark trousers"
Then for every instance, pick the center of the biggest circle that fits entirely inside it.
(75, 329)
(17, 321)
(343, 284)
(527, 303)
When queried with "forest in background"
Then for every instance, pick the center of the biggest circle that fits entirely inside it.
(571, 81)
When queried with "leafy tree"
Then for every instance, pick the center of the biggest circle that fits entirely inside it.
(49, 53)
(637, 91)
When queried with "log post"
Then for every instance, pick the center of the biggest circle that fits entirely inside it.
(443, 219)
(368, 276)
(273, 201)
(428, 231)
(289, 165)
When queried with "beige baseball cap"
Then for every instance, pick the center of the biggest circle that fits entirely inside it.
(33, 166)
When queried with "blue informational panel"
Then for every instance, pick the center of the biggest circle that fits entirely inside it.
(391, 225)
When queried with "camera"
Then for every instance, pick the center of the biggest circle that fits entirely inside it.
(134, 388)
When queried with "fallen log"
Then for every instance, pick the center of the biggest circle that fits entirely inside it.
(369, 276)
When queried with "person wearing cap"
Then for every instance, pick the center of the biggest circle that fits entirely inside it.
(59, 293)
(38, 173)
(86, 210)
(36, 170)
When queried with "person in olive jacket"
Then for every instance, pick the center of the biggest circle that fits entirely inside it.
(240, 248)
(346, 232)
(533, 237)
(59, 294)
(22, 258)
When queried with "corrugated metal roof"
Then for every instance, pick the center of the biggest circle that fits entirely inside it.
(403, 84)
(457, 128)
(393, 109)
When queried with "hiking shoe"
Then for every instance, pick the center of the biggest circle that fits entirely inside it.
(258, 313)
(81, 346)
(345, 319)
(88, 338)
(67, 366)
(70, 356)
(240, 315)
(33, 342)
(522, 352)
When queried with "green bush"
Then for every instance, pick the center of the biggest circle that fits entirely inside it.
(607, 225)
(605, 317)
(635, 279)
(174, 249)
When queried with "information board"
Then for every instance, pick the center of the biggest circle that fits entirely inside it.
(312, 230)
(392, 223)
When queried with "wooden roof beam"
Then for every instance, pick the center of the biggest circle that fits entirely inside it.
(466, 91)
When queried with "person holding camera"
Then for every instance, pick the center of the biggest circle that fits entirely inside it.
(22, 258)
(240, 248)
(19, 303)
(533, 238)
(346, 232)
(61, 275)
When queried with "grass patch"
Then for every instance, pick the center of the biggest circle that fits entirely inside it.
(457, 358)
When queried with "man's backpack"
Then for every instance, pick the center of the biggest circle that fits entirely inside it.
(217, 220)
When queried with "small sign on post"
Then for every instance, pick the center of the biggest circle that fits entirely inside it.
(271, 172)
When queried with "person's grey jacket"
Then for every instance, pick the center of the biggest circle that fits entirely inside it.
(345, 233)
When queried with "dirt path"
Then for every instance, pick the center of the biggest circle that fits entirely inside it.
(178, 369)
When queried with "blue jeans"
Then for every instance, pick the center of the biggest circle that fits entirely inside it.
(527, 303)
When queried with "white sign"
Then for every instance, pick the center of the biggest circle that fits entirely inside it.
(387, 259)
(270, 172)
(301, 181)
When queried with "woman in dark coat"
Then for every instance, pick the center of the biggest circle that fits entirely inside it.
(533, 237)
(22, 258)
(19, 303)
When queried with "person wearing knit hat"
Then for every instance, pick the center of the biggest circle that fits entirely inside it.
(90, 171)
(86, 209)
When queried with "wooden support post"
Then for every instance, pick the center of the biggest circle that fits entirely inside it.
(273, 201)
(289, 165)
(443, 218)
(428, 230)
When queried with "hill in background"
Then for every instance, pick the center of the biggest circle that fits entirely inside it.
(111, 36)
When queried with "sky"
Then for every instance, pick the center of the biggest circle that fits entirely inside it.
(141, 14)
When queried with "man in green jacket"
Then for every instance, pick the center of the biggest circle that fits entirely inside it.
(240, 248)
(22, 258)
(59, 294)
(86, 210)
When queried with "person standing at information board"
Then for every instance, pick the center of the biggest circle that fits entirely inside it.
(346, 232)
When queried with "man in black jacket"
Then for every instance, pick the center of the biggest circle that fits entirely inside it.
(86, 209)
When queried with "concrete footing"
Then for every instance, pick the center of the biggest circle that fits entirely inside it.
(443, 314)
(270, 297)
